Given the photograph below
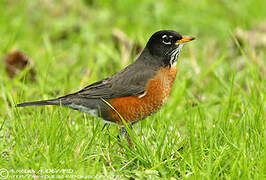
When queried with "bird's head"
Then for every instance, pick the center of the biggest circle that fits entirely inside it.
(166, 45)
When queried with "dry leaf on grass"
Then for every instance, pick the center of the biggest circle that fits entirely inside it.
(254, 41)
(128, 46)
(256, 37)
(16, 61)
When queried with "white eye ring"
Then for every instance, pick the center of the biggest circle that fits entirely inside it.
(166, 41)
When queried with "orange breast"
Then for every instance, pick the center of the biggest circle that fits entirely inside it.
(135, 108)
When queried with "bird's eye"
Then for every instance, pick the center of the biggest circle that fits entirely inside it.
(166, 39)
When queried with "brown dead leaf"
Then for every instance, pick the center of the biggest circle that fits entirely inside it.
(16, 61)
(254, 42)
(128, 48)
(256, 37)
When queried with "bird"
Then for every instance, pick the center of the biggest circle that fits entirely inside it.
(134, 93)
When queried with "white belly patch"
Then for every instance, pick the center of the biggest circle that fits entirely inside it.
(92, 112)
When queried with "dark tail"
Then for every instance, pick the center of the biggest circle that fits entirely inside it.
(40, 103)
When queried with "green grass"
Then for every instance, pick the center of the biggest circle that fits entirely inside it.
(213, 126)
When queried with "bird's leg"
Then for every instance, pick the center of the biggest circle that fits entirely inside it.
(129, 140)
(123, 131)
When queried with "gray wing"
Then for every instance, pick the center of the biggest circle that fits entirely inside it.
(129, 82)
(132, 81)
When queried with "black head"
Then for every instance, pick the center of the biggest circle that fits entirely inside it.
(166, 45)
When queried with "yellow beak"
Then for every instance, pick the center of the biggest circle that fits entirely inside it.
(185, 39)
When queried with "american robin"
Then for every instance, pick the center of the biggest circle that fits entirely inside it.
(137, 91)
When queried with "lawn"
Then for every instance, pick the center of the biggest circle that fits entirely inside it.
(212, 127)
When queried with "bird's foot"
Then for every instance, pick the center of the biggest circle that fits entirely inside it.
(122, 132)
